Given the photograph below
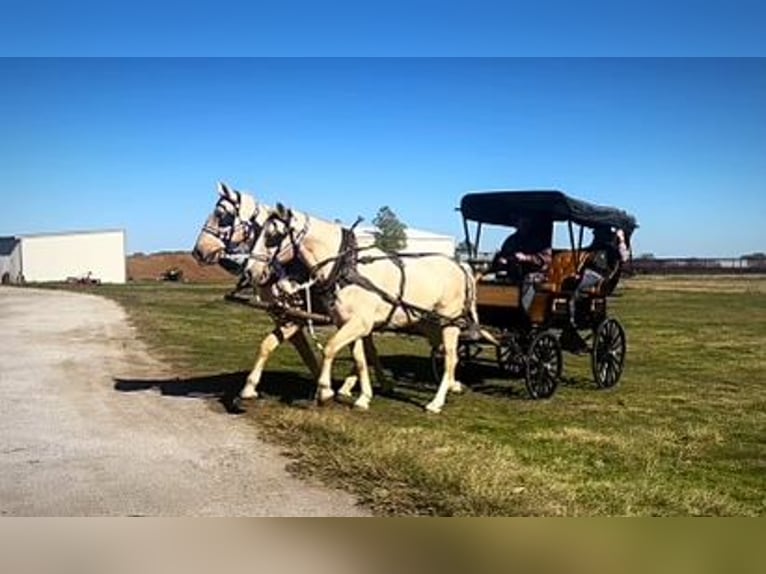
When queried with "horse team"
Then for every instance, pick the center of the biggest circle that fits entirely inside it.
(286, 252)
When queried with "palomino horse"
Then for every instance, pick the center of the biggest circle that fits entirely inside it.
(232, 227)
(429, 291)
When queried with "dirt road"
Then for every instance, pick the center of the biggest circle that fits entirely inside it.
(71, 445)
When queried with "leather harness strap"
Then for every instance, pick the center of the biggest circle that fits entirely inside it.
(345, 272)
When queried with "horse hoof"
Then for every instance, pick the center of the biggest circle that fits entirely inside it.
(324, 396)
(457, 388)
(344, 398)
(432, 408)
(234, 406)
(248, 392)
(361, 405)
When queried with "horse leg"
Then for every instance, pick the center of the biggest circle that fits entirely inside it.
(363, 402)
(348, 333)
(268, 345)
(450, 336)
(360, 374)
(386, 385)
(350, 381)
(370, 353)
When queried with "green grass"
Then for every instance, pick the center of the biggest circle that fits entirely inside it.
(682, 434)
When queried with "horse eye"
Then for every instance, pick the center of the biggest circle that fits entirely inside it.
(273, 240)
(226, 218)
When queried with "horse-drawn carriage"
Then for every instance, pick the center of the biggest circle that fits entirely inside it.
(528, 342)
(365, 289)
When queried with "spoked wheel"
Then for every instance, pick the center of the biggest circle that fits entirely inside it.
(466, 352)
(544, 363)
(608, 353)
(510, 358)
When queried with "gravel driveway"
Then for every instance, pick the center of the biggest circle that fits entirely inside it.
(71, 445)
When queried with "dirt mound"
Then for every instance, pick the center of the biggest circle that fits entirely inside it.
(152, 267)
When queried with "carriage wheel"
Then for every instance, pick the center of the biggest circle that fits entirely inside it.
(608, 353)
(466, 352)
(543, 366)
(510, 358)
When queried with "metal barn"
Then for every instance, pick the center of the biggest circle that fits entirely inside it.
(58, 256)
(418, 241)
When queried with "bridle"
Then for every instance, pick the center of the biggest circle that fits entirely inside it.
(229, 223)
(281, 248)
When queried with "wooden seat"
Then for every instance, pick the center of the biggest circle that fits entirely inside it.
(564, 269)
(565, 272)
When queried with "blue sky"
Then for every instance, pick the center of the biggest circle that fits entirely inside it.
(390, 28)
(140, 143)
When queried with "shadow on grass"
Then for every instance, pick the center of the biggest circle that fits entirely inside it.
(578, 383)
(411, 376)
(414, 373)
(287, 387)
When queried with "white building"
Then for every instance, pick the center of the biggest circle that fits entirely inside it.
(418, 241)
(58, 256)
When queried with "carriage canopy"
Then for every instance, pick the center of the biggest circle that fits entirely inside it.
(507, 207)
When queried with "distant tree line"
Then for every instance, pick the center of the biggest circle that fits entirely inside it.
(647, 263)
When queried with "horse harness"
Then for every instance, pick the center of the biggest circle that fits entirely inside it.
(345, 272)
(230, 223)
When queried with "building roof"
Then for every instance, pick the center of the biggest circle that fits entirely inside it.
(62, 233)
(410, 232)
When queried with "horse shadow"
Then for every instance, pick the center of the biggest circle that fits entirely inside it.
(411, 378)
(415, 374)
(224, 388)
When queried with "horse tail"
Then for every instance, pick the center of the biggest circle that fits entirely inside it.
(470, 294)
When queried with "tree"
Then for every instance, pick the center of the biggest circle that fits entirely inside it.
(390, 235)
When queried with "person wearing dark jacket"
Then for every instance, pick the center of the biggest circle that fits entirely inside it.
(606, 254)
(528, 250)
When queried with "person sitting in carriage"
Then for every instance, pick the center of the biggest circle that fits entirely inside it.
(527, 248)
(602, 268)
(526, 255)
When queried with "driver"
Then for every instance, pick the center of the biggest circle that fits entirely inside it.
(527, 248)
(527, 244)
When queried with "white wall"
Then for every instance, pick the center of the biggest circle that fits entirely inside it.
(56, 257)
(417, 241)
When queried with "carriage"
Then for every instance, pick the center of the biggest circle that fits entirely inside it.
(466, 314)
(528, 343)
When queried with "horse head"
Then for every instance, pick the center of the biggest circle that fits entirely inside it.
(232, 227)
(275, 246)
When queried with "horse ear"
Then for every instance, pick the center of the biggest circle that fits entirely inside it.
(248, 207)
(228, 192)
(282, 211)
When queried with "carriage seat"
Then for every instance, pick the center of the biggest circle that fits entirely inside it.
(563, 271)
(564, 274)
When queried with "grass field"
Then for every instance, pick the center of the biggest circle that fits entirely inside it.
(682, 434)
